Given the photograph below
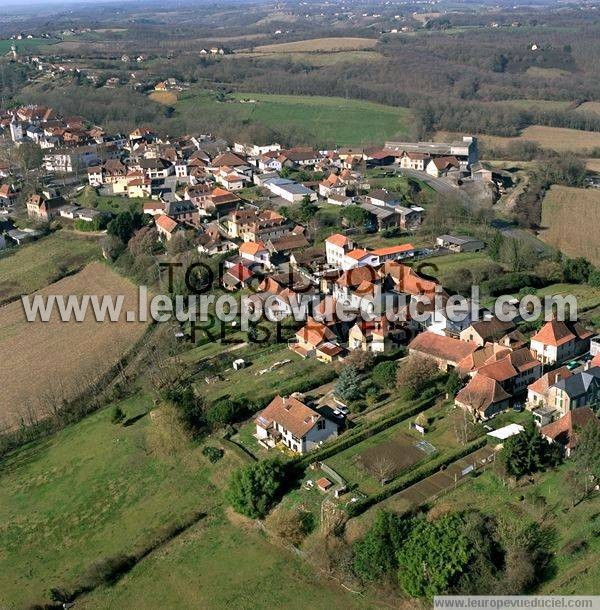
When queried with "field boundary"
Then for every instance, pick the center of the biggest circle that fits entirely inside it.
(416, 476)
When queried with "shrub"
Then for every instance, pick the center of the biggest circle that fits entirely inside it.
(384, 374)
(118, 415)
(255, 488)
(214, 454)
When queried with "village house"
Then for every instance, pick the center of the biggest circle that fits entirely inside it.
(486, 331)
(253, 252)
(318, 340)
(7, 195)
(332, 185)
(441, 166)
(45, 206)
(299, 157)
(460, 243)
(212, 241)
(446, 352)
(483, 397)
(138, 187)
(577, 390)
(257, 225)
(69, 160)
(255, 150)
(167, 227)
(372, 336)
(183, 212)
(294, 424)
(413, 160)
(336, 246)
(382, 198)
(237, 276)
(557, 342)
(537, 392)
(566, 430)
(514, 371)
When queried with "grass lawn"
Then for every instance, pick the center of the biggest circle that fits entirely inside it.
(322, 120)
(96, 490)
(587, 297)
(246, 383)
(437, 266)
(91, 491)
(576, 572)
(35, 265)
(440, 435)
(90, 199)
(27, 44)
(218, 566)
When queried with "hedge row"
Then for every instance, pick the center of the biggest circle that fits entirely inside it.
(418, 475)
(237, 449)
(361, 433)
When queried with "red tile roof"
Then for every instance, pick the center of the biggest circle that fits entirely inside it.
(440, 346)
(564, 430)
(166, 223)
(252, 247)
(293, 415)
(337, 239)
(314, 333)
(554, 333)
(481, 392)
(393, 249)
(542, 384)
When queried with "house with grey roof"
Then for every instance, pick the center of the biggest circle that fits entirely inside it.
(578, 390)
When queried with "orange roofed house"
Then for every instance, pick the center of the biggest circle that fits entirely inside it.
(296, 425)
(316, 339)
(566, 430)
(166, 226)
(557, 341)
(504, 375)
(446, 352)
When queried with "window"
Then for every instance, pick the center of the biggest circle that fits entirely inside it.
(321, 424)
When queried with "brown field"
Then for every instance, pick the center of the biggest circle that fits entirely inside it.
(555, 138)
(570, 217)
(393, 456)
(166, 98)
(590, 107)
(317, 59)
(319, 44)
(593, 165)
(45, 362)
(548, 73)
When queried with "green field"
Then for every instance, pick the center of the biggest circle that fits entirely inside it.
(324, 120)
(437, 266)
(27, 44)
(440, 435)
(247, 383)
(34, 266)
(97, 489)
(90, 199)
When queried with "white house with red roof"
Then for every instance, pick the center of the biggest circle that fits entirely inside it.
(557, 341)
(167, 226)
(336, 246)
(255, 253)
(289, 421)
